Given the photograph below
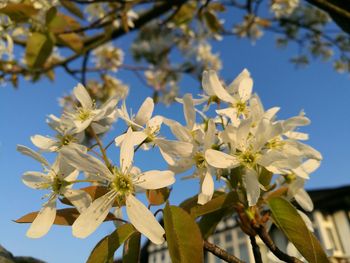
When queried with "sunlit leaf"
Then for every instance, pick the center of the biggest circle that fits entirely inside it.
(290, 222)
(64, 217)
(61, 23)
(72, 8)
(185, 14)
(212, 21)
(183, 236)
(220, 202)
(38, 49)
(72, 40)
(106, 247)
(19, 12)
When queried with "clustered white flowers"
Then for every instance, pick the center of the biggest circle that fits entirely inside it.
(237, 142)
(283, 8)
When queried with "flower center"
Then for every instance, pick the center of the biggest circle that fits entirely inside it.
(58, 184)
(122, 183)
(241, 107)
(66, 139)
(199, 159)
(83, 114)
(275, 143)
(248, 158)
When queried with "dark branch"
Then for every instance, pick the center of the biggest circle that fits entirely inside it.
(256, 250)
(265, 237)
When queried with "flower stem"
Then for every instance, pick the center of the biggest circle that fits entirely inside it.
(103, 151)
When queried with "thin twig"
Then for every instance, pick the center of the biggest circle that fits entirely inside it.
(83, 67)
(220, 253)
(98, 141)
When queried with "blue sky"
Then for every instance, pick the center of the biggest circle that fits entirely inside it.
(318, 90)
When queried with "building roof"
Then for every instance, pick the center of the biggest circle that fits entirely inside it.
(331, 199)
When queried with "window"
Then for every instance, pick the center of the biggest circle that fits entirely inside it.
(228, 236)
(243, 252)
(241, 235)
(218, 260)
(230, 250)
(217, 239)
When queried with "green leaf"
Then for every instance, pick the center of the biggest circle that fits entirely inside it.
(265, 176)
(184, 238)
(61, 23)
(222, 201)
(19, 12)
(212, 21)
(185, 14)
(192, 202)
(131, 250)
(208, 222)
(72, 8)
(38, 49)
(290, 222)
(105, 249)
(72, 40)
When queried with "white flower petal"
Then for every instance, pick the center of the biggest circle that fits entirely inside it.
(245, 89)
(189, 111)
(44, 143)
(138, 137)
(182, 165)
(251, 183)
(82, 96)
(155, 179)
(180, 132)
(29, 152)
(82, 125)
(207, 87)
(233, 87)
(93, 216)
(79, 198)
(304, 200)
(145, 112)
(144, 221)
(85, 162)
(155, 123)
(174, 148)
(220, 160)
(209, 137)
(292, 123)
(36, 180)
(127, 151)
(218, 89)
(207, 189)
(44, 220)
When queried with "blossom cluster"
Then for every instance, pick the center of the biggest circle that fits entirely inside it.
(228, 136)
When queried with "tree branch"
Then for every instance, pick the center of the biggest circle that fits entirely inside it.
(265, 237)
(220, 253)
(256, 250)
(329, 7)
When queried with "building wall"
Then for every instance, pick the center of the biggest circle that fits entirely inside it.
(333, 231)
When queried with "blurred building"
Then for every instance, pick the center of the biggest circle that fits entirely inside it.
(330, 219)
